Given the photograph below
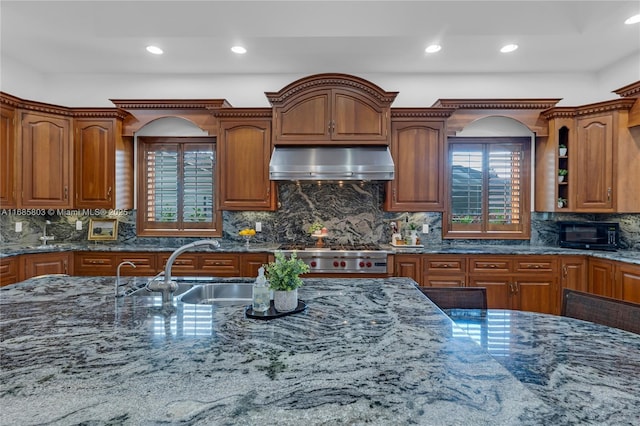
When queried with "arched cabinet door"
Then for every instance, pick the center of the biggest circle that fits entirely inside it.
(331, 109)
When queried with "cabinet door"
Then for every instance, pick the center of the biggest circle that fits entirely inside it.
(7, 157)
(44, 264)
(573, 273)
(594, 165)
(539, 294)
(627, 282)
(601, 277)
(46, 164)
(9, 271)
(305, 118)
(408, 266)
(244, 149)
(250, 263)
(444, 271)
(357, 118)
(498, 290)
(94, 147)
(417, 151)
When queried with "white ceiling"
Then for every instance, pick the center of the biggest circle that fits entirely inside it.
(308, 37)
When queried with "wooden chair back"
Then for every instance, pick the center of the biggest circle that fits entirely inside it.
(601, 310)
(457, 297)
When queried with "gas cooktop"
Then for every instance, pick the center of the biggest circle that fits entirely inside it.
(335, 247)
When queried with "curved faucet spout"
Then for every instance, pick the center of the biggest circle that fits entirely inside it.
(167, 287)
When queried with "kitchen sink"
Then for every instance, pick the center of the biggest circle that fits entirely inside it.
(219, 294)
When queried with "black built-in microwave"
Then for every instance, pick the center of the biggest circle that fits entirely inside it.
(590, 235)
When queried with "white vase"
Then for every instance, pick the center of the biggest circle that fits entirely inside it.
(414, 237)
(285, 301)
(563, 152)
(560, 178)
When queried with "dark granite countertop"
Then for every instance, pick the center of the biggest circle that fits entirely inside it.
(366, 351)
(239, 247)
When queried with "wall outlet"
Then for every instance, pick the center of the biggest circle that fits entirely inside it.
(258, 226)
(78, 225)
(18, 226)
(425, 228)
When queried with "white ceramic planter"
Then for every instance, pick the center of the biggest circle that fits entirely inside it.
(285, 301)
(563, 152)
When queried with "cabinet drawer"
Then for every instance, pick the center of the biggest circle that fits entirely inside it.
(185, 264)
(145, 264)
(95, 264)
(536, 265)
(444, 265)
(8, 271)
(486, 265)
(227, 266)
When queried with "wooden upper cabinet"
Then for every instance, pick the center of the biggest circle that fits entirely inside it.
(331, 109)
(594, 165)
(601, 160)
(7, 157)
(244, 150)
(103, 161)
(46, 160)
(417, 148)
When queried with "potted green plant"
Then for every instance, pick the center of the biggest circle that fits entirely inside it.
(563, 150)
(561, 202)
(284, 279)
(561, 174)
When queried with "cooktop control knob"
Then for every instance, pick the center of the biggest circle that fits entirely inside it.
(335, 263)
(368, 264)
(343, 263)
(313, 264)
(361, 264)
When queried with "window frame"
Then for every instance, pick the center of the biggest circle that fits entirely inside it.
(486, 230)
(147, 228)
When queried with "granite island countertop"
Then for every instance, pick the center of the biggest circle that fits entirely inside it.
(366, 351)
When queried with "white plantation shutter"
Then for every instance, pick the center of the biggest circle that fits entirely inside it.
(489, 187)
(177, 186)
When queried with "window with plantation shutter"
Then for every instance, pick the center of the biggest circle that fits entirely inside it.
(176, 182)
(489, 189)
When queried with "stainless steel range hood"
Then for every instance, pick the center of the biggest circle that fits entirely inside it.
(331, 163)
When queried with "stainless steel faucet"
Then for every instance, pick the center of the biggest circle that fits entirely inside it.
(118, 275)
(46, 237)
(168, 286)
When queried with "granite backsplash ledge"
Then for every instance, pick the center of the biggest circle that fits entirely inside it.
(352, 212)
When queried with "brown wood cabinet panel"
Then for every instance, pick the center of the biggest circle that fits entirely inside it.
(540, 294)
(9, 270)
(220, 265)
(94, 145)
(594, 165)
(34, 265)
(145, 264)
(244, 150)
(251, 262)
(356, 117)
(185, 264)
(46, 161)
(498, 290)
(406, 265)
(444, 281)
(7, 157)
(573, 273)
(627, 282)
(535, 264)
(417, 149)
(601, 277)
(95, 264)
(305, 118)
(490, 264)
(444, 264)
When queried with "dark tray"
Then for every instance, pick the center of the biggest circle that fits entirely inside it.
(271, 313)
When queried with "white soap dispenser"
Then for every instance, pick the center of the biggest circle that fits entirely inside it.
(261, 294)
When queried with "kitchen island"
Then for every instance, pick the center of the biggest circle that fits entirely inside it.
(366, 351)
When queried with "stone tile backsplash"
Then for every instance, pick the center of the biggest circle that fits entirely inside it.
(352, 212)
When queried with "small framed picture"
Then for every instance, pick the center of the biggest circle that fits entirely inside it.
(103, 229)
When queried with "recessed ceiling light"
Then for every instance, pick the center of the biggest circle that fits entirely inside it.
(155, 50)
(509, 48)
(433, 48)
(239, 49)
(633, 20)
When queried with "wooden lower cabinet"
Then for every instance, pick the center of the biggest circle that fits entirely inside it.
(444, 271)
(408, 265)
(9, 271)
(627, 285)
(251, 262)
(573, 273)
(34, 265)
(601, 277)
